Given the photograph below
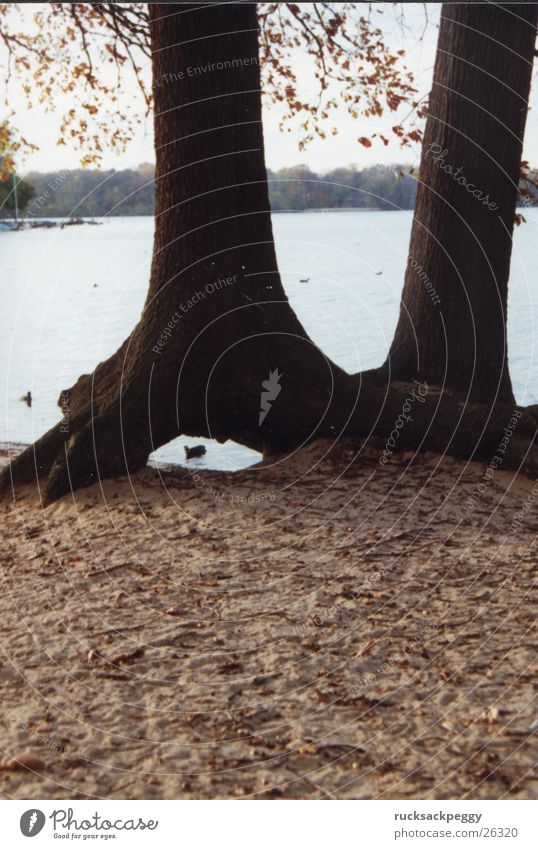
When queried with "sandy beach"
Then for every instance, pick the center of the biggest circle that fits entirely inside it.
(325, 627)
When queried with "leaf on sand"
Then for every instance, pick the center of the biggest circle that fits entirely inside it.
(24, 761)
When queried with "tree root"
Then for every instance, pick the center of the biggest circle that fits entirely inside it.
(409, 416)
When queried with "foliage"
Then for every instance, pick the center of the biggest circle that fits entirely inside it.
(88, 51)
(352, 66)
(10, 143)
(81, 50)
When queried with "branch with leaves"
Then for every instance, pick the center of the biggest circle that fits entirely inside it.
(89, 51)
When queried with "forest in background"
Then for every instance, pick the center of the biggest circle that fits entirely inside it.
(85, 192)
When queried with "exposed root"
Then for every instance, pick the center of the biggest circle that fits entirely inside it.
(113, 444)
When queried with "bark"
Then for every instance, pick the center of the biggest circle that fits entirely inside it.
(217, 324)
(452, 325)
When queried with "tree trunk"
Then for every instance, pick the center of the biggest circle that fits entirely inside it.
(213, 229)
(452, 325)
(217, 324)
(218, 351)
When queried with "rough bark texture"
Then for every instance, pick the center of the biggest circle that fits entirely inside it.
(197, 360)
(452, 325)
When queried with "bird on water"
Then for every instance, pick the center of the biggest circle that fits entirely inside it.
(192, 453)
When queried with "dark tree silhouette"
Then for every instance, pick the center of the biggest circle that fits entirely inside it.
(461, 240)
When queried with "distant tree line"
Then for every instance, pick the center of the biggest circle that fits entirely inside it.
(376, 187)
(87, 193)
(132, 191)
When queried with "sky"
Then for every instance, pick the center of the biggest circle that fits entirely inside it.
(416, 32)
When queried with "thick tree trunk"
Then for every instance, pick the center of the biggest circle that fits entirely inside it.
(216, 324)
(452, 326)
(213, 229)
(218, 350)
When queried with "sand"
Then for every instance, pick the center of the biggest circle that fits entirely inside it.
(320, 628)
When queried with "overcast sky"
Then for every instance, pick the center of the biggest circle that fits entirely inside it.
(417, 34)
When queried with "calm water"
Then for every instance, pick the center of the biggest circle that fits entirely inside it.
(58, 324)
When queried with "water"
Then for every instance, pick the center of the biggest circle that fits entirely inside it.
(70, 297)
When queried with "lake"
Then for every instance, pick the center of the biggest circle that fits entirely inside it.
(70, 297)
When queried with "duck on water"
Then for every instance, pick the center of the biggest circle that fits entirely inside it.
(193, 453)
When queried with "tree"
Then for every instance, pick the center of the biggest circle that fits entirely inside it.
(218, 341)
(452, 326)
(10, 143)
(25, 193)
